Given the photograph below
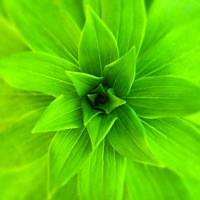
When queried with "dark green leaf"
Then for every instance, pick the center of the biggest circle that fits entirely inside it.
(37, 72)
(98, 46)
(88, 112)
(127, 136)
(103, 175)
(69, 151)
(112, 103)
(121, 73)
(84, 83)
(164, 96)
(176, 143)
(99, 126)
(46, 27)
(63, 113)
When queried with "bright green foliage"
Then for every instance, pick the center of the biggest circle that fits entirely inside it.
(153, 183)
(107, 173)
(53, 25)
(68, 152)
(99, 127)
(10, 39)
(176, 143)
(84, 83)
(99, 100)
(63, 113)
(134, 144)
(164, 96)
(121, 73)
(97, 47)
(29, 71)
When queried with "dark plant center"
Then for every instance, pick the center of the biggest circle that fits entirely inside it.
(100, 100)
(104, 99)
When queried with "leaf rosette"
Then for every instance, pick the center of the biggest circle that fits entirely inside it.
(103, 94)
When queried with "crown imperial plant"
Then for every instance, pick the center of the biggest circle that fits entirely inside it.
(100, 100)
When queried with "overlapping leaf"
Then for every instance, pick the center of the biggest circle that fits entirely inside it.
(69, 190)
(63, 113)
(18, 146)
(176, 53)
(99, 126)
(88, 112)
(162, 19)
(126, 20)
(127, 136)
(37, 72)
(68, 152)
(176, 142)
(98, 46)
(163, 96)
(46, 27)
(15, 103)
(121, 73)
(147, 182)
(84, 83)
(75, 9)
(103, 175)
(10, 40)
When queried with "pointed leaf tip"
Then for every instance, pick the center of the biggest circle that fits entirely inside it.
(98, 46)
(68, 152)
(63, 113)
(84, 83)
(121, 73)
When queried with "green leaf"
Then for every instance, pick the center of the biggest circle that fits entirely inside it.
(69, 190)
(193, 187)
(103, 175)
(88, 112)
(98, 46)
(99, 126)
(127, 136)
(112, 103)
(19, 185)
(95, 5)
(69, 151)
(84, 83)
(176, 143)
(126, 20)
(63, 113)
(75, 9)
(194, 118)
(174, 53)
(163, 18)
(14, 103)
(10, 40)
(33, 71)
(147, 182)
(52, 30)
(164, 96)
(121, 73)
(18, 146)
